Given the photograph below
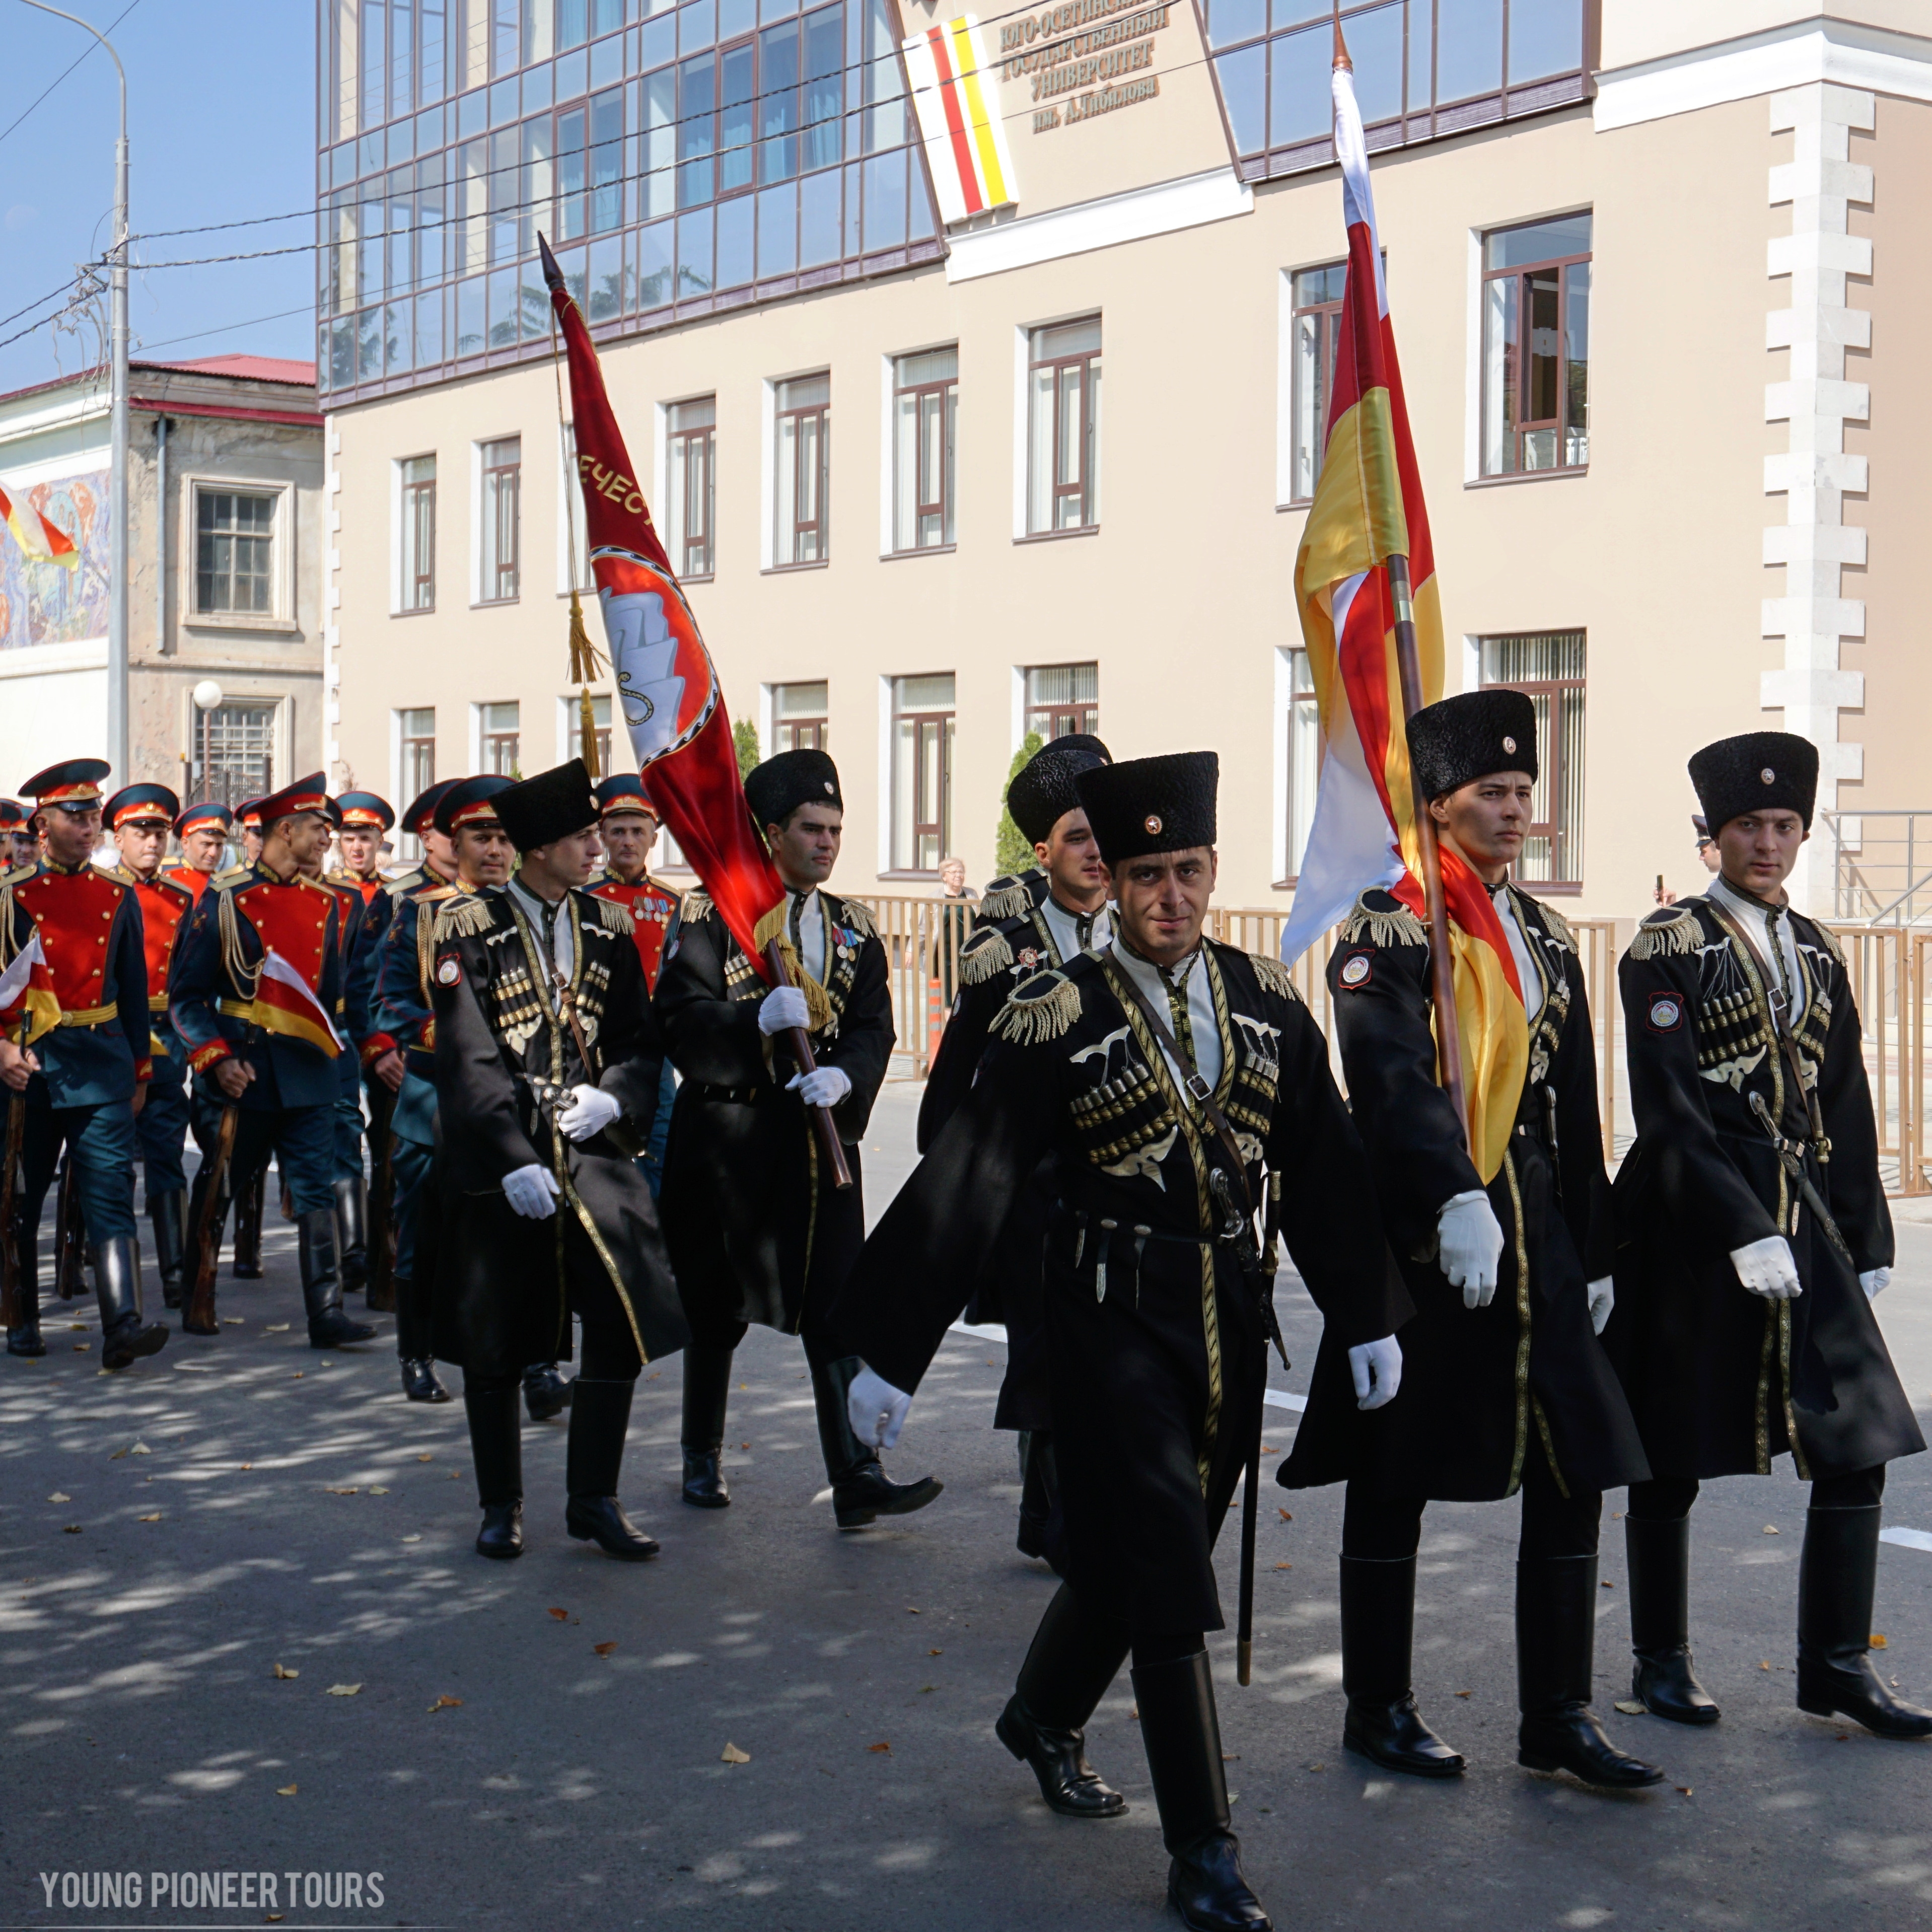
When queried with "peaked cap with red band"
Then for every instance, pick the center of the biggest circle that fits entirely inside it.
(74, 783)
(364, 810)
(206, 815)
(470, 802)
(625, 791)
(421, 812)
(308, 794)
(140, 804)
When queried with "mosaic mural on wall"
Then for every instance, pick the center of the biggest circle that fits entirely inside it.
(42, 603)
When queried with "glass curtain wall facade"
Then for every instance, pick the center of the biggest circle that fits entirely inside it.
(679, 158)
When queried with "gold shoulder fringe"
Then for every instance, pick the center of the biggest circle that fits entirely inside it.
(858, 917)
(1042, 1010)
(614, 916)
(1397, 927)
(1274, 976)
(14, 875)
(985, 956)
(1006, 898)
(1559, 926)
(1829, 939)
(696, 905)
(235, 874)
(463, 918)
(1667, 938)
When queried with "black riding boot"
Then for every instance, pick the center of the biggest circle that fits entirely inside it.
(707, 1384)
(164, 1211)
(546, 1394)
(1182, 1737)
(1662, 1681)
(1836, 1578)
(1039, 1484)
(496, 1448)
(415, 1342)
(329, 1328)
(1556, 1649)
(599, 1420)
(1378, 1638)
(352, 1233)
(861, 1490)
(250, 1205)
(117, 1282)
(24, 1337)
(1072, 1659)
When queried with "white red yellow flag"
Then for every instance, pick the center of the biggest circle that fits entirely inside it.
(27, 994)
(956, 96)
(39, 540)
(285, 1003)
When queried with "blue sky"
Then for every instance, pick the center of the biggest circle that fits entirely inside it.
(221, 121)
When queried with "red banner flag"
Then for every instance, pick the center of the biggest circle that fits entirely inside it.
(666, 683)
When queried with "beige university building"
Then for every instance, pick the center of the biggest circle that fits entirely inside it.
(1659, 282)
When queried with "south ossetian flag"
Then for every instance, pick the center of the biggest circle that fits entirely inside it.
(40, 541)
(1368, 506)
(956, 97)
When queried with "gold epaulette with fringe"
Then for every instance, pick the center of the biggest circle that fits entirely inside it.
(14, 875)
(1041, 1008)
(464, 917)
(615, 918)
(1007, 897)
(226, 881)
(1559, 926)
(1397, 926)
(1828, 940)
(1667, 935)
(985, 956)
(1274, 976)
(695, 905)
(858, 916)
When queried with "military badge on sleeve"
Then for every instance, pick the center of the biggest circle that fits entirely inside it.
(1356, 972)
(447, 971)
(1667, 1012)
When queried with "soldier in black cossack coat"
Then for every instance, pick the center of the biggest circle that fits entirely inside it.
(757, 1231)
(1755, 1234)
(1504, 1386)
(1115, 1066)
(546, 1071)
(1069, 917)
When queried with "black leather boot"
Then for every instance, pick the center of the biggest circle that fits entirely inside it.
(24, 1337)
(352, 1233)
(415, 1341)
(600, 1418)
(329, 1328)
(1661, 1680)
(546, 1394)
(421, 1382)
(164, 1211)
(1378, 1638)
(861, 1490)
(249, 1204)
(707, 1385)
(1040, 1483)
(1836, 1578)
(1072, 1659)
(1555, 1651)
(70, 1235)
(124, 1335)
(496, 1448)
(1182, 1737)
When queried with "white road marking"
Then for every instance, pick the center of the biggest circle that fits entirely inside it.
(1911, 1539)
(1280, 1399)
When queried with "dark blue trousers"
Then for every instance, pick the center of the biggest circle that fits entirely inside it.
(301, 1140)
(410, 1164)
(100, 1141)
(160, 1128)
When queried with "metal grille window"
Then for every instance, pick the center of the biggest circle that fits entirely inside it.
(922, 771)
(1317, 322)
(501, 519)
(419, 533)
(1536, 347)
(926, 408)
(799, 716)
(1062, 699)
(804, 431)
(501, 734)
(692, 494)
(234, 753)
(1548, 667)
(234, 553)
(1302, 735)
(1063, 428)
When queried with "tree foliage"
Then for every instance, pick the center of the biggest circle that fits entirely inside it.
(744, 741)
(1012, 851)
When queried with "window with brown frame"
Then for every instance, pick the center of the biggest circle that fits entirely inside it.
(799, 713)
(418, 560)
(600, 730)
(1536, 347)
(415, 763)
(1063, 428)
(1316, 321)
(501, 529)
(925, 409)
(1547, 666)
(922, 771)
(691, 497)
(501, 739)
(804, 432)
(1063, 699)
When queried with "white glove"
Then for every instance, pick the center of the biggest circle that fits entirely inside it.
(782, 1008)
(878, 1410)
(1377, 1369)
(1875, 1282)
(590, 1111)
(1469, 1240)
(1602, 1297)
(1766, 1268)
(823, 1087)
(532, 1191)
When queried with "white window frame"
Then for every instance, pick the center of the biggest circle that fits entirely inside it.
(399, 605)
(568, 508)
(477, 599)
(282, 534)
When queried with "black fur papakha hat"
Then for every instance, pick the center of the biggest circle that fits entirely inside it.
(1151, 805)
(1043, 791)
(778, 787)
(1461, 740)
(1761, 771)
(552, 806)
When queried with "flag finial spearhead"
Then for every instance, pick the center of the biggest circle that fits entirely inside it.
(1341, 59)
(553, 276)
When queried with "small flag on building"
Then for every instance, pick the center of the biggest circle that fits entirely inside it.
(956, 96)
(39, 540)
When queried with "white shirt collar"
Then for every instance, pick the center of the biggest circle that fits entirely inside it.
(1065, 928)
(1200, 1010)
(1528, 976)
(554, 919)
(1751, 914)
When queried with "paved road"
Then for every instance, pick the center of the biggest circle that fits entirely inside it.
(306, 1518)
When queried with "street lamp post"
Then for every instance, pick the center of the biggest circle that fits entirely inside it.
(117, 607)
(207, 697)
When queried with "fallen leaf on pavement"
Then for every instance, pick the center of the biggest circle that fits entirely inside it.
(1685, 1789)
(881, 1746)
(282, 1670)
(935, 1653)
(912, 1610)
(58, 1497)
(1286, 1517)
(117, 1456)
(603, 1649)
(1629, 1707)
(296, 1377)
(247, 1465)
(378, 1492)
(925, 1687)
(425, 1459)
(1765, 1663)
(78, 1328)
(1606, 1584)
(1771, 1530)
(1465, 1694)
(562, 1616)
(285, 1790)
(412, 1539)
(731, 1754)
(235, 1321)
(155, 1518)
(276, 1328)
(82, 1348)
(344, 1690)
(140, 1449)
(344, 1493)
(446, 1703)
(1878, 1640)
(1284, 1566)
(70, 1529)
